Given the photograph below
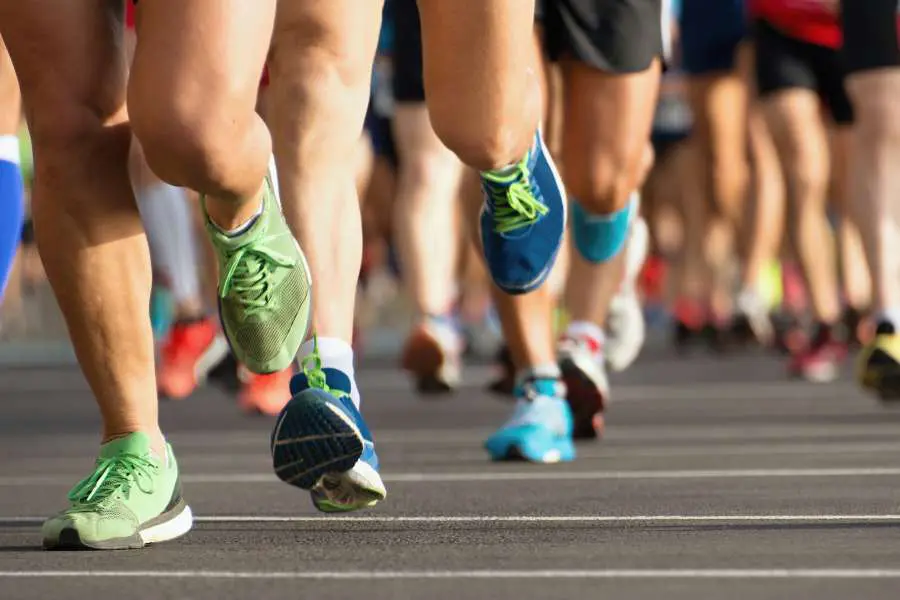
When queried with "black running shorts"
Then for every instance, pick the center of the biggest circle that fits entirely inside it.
(783, 63)
(409, 85)
(616, 36)
(870, 34)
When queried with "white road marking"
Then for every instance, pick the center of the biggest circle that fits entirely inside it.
(601, 519)
(481, 574)
(538, 475)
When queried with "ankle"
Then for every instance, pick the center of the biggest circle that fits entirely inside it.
(157, 439)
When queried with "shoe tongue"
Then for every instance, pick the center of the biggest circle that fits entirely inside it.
(134, 443)
(336, 380)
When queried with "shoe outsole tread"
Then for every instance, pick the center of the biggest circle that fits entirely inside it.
(312, 439)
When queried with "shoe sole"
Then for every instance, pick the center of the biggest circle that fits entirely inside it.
(357, 489)
(586, 400)
(168, 526)
(313, 438)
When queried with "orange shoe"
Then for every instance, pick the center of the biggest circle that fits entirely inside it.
(266, 394)
(190, 351)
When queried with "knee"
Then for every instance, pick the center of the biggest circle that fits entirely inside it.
(71, 141)
(484, 148)
(605, 185)
(495, 133)
(317, 85)
(810, 179)
(187, 142)
(729, 178)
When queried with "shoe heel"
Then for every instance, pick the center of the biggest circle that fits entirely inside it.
(313, 437)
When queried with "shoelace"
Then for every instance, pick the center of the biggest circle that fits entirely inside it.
(513, 199)
(110, 475)
(315, 375)
(249, 274)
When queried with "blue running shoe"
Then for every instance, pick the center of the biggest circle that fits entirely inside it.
(523, 220)
(321, 443)
(540, 429)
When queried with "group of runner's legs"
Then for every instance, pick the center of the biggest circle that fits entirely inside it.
(547, 141)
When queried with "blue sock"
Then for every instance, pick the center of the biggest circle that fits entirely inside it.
(12, 205)
(600, 238)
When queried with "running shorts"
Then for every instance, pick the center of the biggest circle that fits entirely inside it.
(380, 113)
(785, 63)
(711, 31)
(871, 39)
(409, 84)
(615, 36)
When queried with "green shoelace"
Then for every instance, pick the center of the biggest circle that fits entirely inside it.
(315, 375)
(514, 202)
(118, 473)
(249, 273)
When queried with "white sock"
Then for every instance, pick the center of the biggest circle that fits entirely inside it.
(335, 354)
(547, 371)
(892, 316)
(169, 224)
(246, 224)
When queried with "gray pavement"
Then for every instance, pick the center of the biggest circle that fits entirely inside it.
(718, 479)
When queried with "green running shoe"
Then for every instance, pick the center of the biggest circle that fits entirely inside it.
(264, 289)
(130, 500)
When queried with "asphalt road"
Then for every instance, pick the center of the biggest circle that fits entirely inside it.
(718, 479)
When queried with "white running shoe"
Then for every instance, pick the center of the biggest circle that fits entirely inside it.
(625, 327)
(580, 354)
(750, 306)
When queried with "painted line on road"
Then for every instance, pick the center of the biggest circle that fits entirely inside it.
(603, 519)
(536, 475)
(480, 574)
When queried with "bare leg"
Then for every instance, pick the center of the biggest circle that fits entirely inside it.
(425, 210)
(799, 134)
(483, 88)
(88, 227)
(608, 120)
(321, 65)
(855, 279)
(205, 136)
(876, 187)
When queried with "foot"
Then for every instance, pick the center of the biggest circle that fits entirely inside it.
(264, 289)
(820, 361)
(132, 499)
(433, 356)
(878, 367)
(582, 363)
(753, 317)
(540, 429)
(191, 350)
(264, 394)
(625, 327)
(523, 221)
(321, 443)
